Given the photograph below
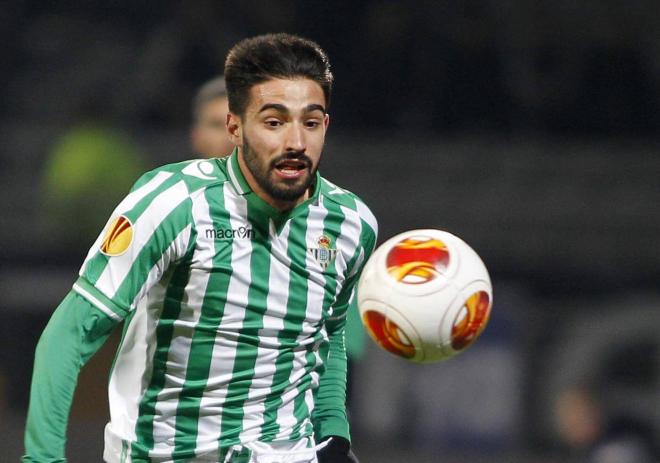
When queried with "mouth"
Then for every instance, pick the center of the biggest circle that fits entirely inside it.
(291, 168)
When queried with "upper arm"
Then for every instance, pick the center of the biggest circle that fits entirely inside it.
(365, 248)
(148, 231)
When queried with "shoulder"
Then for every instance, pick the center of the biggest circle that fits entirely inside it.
(160, 191)
(351, 204)
(193, 175)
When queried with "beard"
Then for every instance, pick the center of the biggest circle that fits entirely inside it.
(279, 189)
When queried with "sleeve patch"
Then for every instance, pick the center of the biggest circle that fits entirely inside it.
(118, 238)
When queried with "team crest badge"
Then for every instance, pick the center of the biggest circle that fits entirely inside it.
(324, 254)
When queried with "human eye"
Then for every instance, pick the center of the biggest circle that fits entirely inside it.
(312, 123)
(272, 122)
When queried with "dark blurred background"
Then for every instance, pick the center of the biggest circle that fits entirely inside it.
(529, 128)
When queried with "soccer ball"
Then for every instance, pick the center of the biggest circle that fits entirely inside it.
(424, 295)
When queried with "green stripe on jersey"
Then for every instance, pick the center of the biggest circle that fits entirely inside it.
(300, 409)
(332, 228)
(174, 296)
(204, 336)
(248, 335)
(296, 306)
(332, 225)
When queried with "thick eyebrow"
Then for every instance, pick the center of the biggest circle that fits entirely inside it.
(283, 109)
(314, 107)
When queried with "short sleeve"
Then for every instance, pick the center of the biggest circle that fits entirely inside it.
(148, 231)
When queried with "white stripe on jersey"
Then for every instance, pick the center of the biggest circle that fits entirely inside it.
(365, 213)
(285, 414)
(352, 230)
(224, 351)
(133, 359)
(358, 263)
(113, 275)
(164, 430)
(136, 196)
(313, 314)
(273, 321)
(285, 417)
(309, 395)
(191, 308)
(278, 280)
(315, 292)
(127, 204)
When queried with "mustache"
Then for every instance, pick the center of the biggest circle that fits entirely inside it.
(292, 155)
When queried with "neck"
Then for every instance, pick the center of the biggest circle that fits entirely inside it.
(284, 206)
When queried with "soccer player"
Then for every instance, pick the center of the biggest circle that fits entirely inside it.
(232, 277)
(208, 136)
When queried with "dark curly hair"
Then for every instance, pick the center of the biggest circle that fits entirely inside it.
(272, 56)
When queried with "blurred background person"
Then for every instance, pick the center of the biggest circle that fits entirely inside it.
(89, 168)
(208, 135)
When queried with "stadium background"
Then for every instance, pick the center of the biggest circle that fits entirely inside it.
(530, 129)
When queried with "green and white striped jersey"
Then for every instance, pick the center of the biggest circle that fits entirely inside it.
(229, 305)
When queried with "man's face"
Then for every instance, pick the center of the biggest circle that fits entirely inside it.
(280, 139)
(209, 137)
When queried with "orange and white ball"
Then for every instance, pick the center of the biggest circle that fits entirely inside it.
(425, 295)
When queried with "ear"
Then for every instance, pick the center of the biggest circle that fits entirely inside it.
(235, 129)
(326, 120)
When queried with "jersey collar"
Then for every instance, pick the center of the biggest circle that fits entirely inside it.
(236, 176)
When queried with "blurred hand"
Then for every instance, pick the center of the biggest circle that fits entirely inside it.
(338, 450)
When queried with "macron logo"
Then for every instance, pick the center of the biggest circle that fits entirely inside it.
(229, 233)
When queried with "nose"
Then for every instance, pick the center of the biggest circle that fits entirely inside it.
(295, 140)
